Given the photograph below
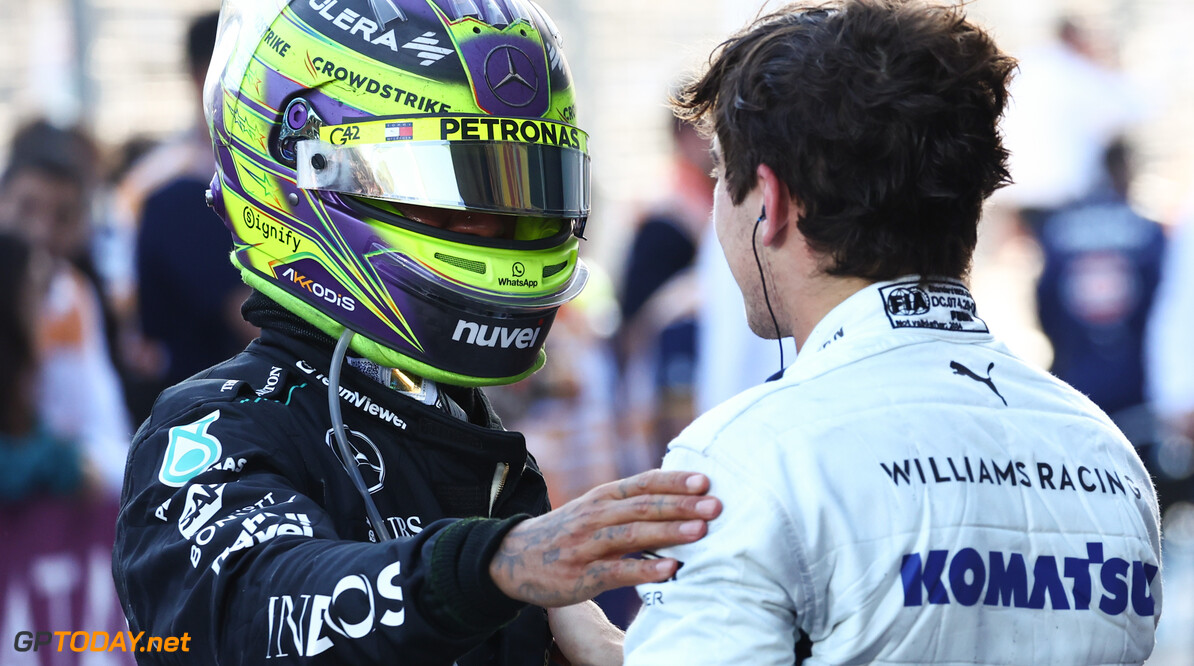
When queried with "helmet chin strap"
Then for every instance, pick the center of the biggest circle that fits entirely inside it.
(379, 526)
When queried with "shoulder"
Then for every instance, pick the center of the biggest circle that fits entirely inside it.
(755, 448)
(227, 424)
(757, 415)
(853, 401)
(260, 393)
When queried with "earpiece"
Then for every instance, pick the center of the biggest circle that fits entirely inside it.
(754, 238)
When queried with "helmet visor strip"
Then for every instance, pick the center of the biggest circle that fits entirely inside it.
(523, 232)
(415, 277)
(519, 167)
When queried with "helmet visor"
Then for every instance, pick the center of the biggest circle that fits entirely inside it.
(522, 167)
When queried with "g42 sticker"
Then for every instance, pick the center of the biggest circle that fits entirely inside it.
(190, 451)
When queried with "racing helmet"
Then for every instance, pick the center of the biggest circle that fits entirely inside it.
(335, 122)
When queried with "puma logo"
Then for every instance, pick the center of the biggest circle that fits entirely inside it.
(960, 369)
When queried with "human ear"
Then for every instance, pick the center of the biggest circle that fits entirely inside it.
(777, 206)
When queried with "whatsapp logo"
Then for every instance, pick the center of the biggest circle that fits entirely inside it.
(190, 451)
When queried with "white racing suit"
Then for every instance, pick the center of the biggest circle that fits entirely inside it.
(910, 492)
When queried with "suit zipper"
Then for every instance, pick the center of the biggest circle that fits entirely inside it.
(499, 482)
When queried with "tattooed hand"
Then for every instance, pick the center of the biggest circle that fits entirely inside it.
(575, 552)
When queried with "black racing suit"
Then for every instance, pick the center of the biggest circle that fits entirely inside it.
(240, 527)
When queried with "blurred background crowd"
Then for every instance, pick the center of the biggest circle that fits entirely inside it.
(117, 283)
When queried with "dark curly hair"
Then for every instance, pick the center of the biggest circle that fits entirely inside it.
(881, 118)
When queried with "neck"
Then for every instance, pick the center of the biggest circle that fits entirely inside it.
(806, 302)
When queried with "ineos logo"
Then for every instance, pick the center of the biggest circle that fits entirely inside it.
(511, 76)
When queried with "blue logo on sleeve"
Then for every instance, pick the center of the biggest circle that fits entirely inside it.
(190, 451)
(1002, 579)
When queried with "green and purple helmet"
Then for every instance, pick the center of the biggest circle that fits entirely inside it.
(331, 119)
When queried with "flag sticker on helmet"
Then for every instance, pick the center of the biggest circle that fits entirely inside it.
(459, 128)
(400, 131)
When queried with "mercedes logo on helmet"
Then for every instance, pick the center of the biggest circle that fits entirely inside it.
(511, 76)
